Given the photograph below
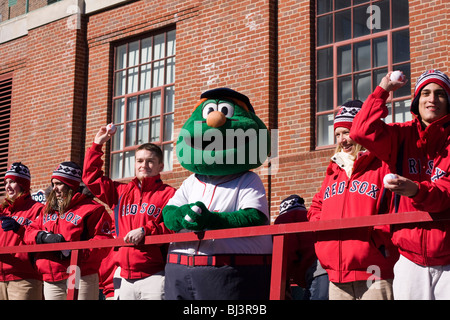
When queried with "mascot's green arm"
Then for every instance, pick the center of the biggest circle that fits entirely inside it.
(175, 218)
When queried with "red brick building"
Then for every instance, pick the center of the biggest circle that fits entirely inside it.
(67, 67)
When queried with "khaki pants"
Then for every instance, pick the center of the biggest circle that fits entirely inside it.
(359, 290)
(88, 289)
(27, 289)
(148, 288)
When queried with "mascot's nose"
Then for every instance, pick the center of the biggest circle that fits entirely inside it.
(216, 119)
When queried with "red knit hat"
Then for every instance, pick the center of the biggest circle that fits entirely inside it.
(68, 173)
(19, 173)
(346, 114)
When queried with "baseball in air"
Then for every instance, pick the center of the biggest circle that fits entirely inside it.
(111, 128)
(397, 76)
(194, 208)
(389, 176)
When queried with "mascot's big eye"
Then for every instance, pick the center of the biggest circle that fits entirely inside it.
(227, 109)
(208, 108)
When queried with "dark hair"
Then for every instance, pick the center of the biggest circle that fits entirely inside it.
(152, 148)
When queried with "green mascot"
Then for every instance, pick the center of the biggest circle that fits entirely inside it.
(220, 143)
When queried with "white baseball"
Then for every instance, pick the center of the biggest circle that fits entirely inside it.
(111, 128)
(194, 208)
(389, 176)
(397, 76)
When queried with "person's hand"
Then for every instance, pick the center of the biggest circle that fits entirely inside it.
(103, 135)
(389, 85)
(9, 224)
(49, 237)
(134, 236)
(402, 186)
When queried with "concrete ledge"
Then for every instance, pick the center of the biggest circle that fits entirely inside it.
(92, 6)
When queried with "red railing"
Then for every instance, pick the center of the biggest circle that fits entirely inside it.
(279, 231)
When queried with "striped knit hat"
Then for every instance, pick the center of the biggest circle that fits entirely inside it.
(292, 202)
(19, 173)
(69, 173)
(347, 113)
(430, 76)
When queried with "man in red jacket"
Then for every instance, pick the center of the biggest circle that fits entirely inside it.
(417, 151)
(137, 209)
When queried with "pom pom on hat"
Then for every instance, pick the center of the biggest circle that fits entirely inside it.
(430, 76)
(346, 114)
(69, 173)
(292, 202)
(19, 173)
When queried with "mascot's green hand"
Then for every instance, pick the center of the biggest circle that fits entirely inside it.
(173, 217)
(195, 217)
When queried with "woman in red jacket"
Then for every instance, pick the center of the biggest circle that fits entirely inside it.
(359, 262)
(18, 278)
(69, 215)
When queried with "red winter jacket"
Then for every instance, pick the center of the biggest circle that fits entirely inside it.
(18, 266)
(135, 205)
(421, 155)
(353, 254)
(84, 219)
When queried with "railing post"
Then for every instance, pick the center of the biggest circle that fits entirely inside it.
(73, 282)
(279, 264)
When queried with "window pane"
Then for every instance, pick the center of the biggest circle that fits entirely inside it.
(380, 56)
(325, 130)
(355, 2)
(170, 70)
(402, 111)
(325, 95)
(133, 53)
(384, 16)
(158, 73)
(343, 25)
(406, 89)
(119, 110)
(344, 59)
(324, 6)
(156, 103)
(159, 46)
(324, 30)
(377, 76)
(325, 63)
(344, 89)
(400, 10)
(170, 97)
(362, 85)
(168, 127)
(117, 139)
(143, 131)
(120, 83)
(146, 51)
(121, 57)
(155, 129)
(116, 166)
(361, 59)
(144, 106)
(171, 41)
(131, 108)
(130, 139)
(168, 151)
(146, 76)
(340, 4)
(129, 165)
(400, 46)
(132, 80)
(360, 17)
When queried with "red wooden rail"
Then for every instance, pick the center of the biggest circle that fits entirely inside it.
(279, 231)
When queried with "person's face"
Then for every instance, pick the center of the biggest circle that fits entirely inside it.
(147, 164)
(61, 189)
(343, 139)
(13, 189)
(432, 103)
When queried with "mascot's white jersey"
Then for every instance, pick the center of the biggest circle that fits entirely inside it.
(224, 194)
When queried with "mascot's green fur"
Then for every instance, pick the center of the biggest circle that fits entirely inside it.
(223, 137)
